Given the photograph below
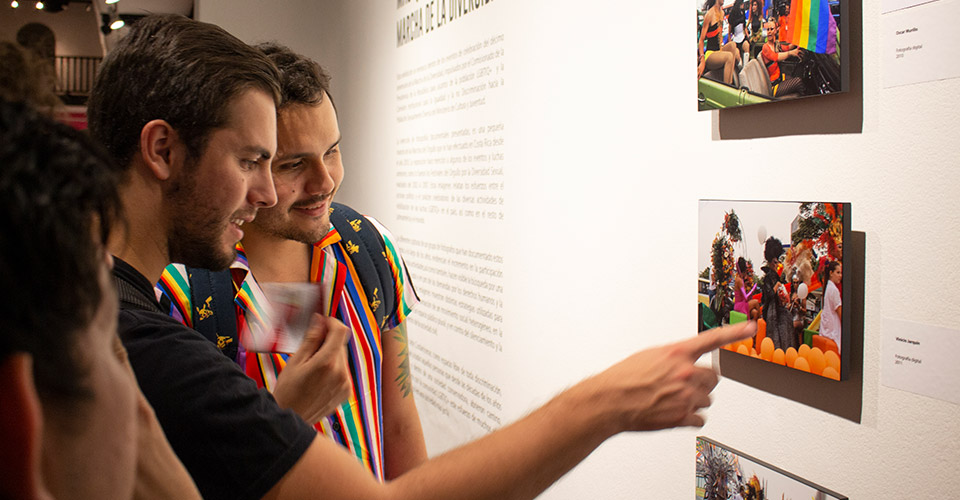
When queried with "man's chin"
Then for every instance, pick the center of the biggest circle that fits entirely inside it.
(304, 233)
(211, 260)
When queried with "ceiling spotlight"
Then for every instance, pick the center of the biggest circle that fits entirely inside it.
(108, 2)
(39, 5)
(14, 4)
(116, 24)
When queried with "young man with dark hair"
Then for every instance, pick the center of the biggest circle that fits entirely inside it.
(190, 112)
(295, 241)
(235, 440)
(72, 422)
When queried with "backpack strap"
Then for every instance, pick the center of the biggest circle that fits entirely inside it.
(214, 312)
(130, 298)
(366, 250)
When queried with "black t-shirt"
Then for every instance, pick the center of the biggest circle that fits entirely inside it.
(231, 436)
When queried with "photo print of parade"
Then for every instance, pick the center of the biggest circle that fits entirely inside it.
(758, 51)
(726, 474)
(779, 264)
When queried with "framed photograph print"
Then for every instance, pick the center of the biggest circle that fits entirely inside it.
(779, 264)
(727, 474)
(762, 51)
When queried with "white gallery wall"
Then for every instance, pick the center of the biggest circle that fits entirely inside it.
(540, 165)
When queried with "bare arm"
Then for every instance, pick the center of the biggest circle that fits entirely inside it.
(653, 389)
(783, 56)
(403, 446)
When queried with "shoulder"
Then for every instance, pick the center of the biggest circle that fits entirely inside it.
(156, 343)
(371, 222)
(209, 409)
(385, 233)
(135, 324)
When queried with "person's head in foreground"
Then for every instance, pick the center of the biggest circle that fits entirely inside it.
(189, 112)
(67, 407)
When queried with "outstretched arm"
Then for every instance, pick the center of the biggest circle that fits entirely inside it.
(653, 389)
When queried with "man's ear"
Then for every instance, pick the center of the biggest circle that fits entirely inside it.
(160, 147)
(21, 426)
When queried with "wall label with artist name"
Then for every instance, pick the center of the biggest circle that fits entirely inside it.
(920, 358)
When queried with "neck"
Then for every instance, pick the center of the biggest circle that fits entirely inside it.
(142, 241)
(276, 259)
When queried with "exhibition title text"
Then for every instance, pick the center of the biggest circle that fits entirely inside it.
(430, 15)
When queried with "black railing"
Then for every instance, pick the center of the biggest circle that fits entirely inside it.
(75, 75)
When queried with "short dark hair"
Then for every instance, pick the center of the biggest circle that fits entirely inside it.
(302, 80)
(58, 190)
(772, 249)
(176, 69)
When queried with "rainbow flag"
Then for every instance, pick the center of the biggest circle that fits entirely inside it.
(812, 27)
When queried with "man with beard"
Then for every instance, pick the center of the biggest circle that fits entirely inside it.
(295, 241)
(190, 113)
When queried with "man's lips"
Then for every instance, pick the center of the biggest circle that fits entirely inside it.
(237, 222)
(241, 219)
(314, 208)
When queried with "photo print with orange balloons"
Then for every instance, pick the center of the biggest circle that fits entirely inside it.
(779, 264)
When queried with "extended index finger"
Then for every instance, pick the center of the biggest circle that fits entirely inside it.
(719, 337)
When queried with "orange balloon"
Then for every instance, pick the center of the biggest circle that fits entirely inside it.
(833, 360)
(753, 352)
(762, 327)
(766, 349)
(748, 343)
(804, 349)
(817, 361)
(790, 357)
(742, 349)
(802, 364)
(779, 357)
(829, 372)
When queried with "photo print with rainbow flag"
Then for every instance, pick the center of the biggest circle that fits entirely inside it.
(760, 51)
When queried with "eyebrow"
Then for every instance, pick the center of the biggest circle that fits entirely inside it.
(297, 156)
(259, 151)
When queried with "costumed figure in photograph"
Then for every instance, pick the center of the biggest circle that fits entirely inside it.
(832, 306)
(755, 27)
(713, 54)
(741, 297)
(771, 56)
(775, 298)
(737, 20)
